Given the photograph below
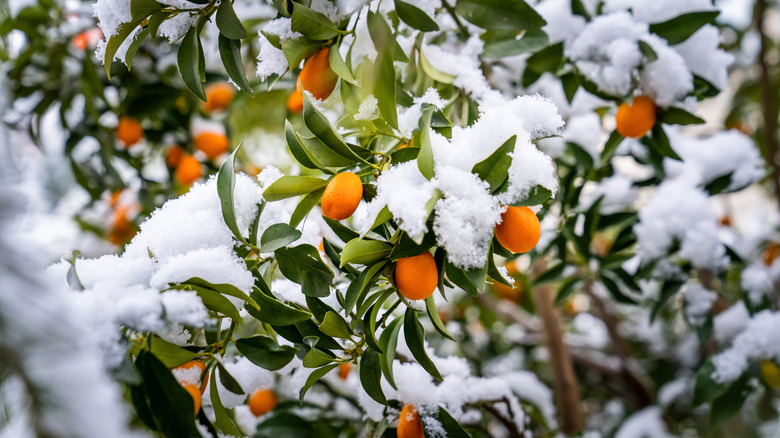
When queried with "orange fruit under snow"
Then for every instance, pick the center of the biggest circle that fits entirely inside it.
(316, 77)
(129, 131)
(636, 120)
(262, 401)
(213, 144)
(416, 277)
(409, 423)
(519, 229)
(342, 196)
(122, 229)
(188, 170)
(218, 96)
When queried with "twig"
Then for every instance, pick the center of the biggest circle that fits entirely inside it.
(567, 392)
(768, 98)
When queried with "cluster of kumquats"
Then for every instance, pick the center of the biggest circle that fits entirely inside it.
(186, 164)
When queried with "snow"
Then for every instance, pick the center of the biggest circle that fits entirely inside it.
(561, 25)
(271, 60)
(757, 341)
(704, 57)
(729, 323)
(659, 10)
(698, 303)
(647, 423)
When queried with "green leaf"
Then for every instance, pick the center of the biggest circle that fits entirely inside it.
(222, 288)
(289, 186)
(228, 23)
(223, 420)
(226, 182)
(169, 354)
(342, 231)
(338, 65)
(495, 169)
(322, 129)
(536, 196)
(384, 70)
(265, 352)
(304, 207)
(371, 375)
(706, 389)
(459, 277)
(500, 14)
(414, 335)
(647, 51)
(730, 402)
(433, 314)
(189, 59)
(551, 274)
(213, 300)
(451, 425)
(661, 143)
(568, 287)
(433, 72)
(611, 146)
(578, 8)
(678, 116)
(169, 404)
(570, 83)
(668, 290)
(532, 41)
(388, 341)
(364, 252)
(425, 157)
(277, 236)
(361, 285)
(228, 381)
(115, 41)
(334, 325)
(415, 17)
(316, 357)
(144, 8)
(312, 24)
(230, 54)
(315, 376)
(154, 24)
(297, 49)
(370, 320)
(407, 247)
(275, 312)
(134, 46)
(680, 28)
(492, 268)
(302, 264)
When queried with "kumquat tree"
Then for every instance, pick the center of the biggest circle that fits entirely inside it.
(389, 218)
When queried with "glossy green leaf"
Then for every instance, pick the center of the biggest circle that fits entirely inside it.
(530, 42)
(170, 354)
(275, 312)
(322, 129)
(451, 425)
(730, 402)
(292, 185)
(611, 146)
(297, 49)
(144, 8)
(230, 53)
(433, 72)
(228, 23)
(316, 358)
(500, 14)
(312, 24)
(415, 17)
(425, 157)
(315, 376)
(706, 389)
(305, 206)
(154, 24)
(302, 264)
(384, 70)
(433, 314)
(361, 285)
(226, 182)
(364, 252)
(133, 49)
(223, 420)
(680, 28)
(647, 51)
(388, 341)
(495, 168)
(459, 277)
(228, 381)
(265, 352)
(277, 236)
(678, 116)
(371, 375)
(188, 59)
(222, 288)
(370, 320)
(334, 325)
(414, 335)
(338, 65)
(661, 143)
(536, 196)
(115, 41)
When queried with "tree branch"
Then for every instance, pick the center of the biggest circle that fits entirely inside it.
(768, 98)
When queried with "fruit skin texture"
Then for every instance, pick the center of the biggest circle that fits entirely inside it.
(262, 401)
(416, 277)
(409, 423)
(519, 229)
(770, 373)
(218, 96)
(195, 393)
(636, 120)
(188, 171)
(212, 144)
(342, 196)
(316, 77)
(129, 131)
